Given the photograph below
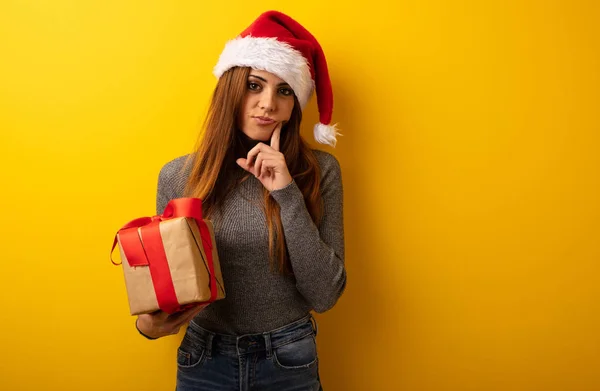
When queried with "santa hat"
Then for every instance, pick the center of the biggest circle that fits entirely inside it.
(278, 44)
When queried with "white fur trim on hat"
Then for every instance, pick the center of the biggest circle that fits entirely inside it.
(271, 55)
(326, 134)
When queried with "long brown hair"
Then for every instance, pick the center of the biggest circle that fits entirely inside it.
(222, 143)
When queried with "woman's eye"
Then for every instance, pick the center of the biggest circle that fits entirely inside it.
(253, 86)
(286, 91)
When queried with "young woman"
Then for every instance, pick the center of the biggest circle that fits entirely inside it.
(277, 209)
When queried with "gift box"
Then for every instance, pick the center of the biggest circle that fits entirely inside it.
(170, 261)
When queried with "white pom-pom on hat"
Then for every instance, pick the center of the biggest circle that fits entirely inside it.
(326, 134)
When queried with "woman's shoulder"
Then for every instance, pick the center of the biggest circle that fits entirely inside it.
(174, 166)
(327, 162)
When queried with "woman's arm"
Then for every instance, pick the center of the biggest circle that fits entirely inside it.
(316, 253)
(171, 182)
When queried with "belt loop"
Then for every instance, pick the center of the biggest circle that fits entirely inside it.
(237, 346)
(209, 344)
(315, 326)
(268, 347)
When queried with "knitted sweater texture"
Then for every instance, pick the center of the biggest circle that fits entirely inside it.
(259, 299)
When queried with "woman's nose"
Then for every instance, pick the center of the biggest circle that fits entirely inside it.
(267, 101)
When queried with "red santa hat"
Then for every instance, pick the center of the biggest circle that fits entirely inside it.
(278, 44)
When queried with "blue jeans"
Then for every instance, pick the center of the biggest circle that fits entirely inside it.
(284, 359)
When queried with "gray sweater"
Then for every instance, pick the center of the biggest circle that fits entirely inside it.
(257, 298)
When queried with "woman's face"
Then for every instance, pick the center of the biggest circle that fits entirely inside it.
(268, 101)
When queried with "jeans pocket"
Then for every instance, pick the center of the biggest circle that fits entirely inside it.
(190, 353)
(189, 359)
(299, 354)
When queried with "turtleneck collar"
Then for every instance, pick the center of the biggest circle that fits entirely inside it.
(246, 144)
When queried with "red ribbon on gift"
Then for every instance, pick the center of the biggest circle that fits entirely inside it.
(148, 250)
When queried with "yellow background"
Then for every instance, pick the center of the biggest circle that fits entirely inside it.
(470, 161)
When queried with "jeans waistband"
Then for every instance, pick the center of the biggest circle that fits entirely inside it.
(251, 343)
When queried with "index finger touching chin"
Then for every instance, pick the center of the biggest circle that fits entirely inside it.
(276, 136)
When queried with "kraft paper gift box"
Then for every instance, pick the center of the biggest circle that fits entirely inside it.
(170, 261)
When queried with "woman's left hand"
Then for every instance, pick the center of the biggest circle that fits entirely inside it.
(268, 164)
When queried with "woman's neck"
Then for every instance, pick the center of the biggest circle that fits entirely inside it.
(246, 144)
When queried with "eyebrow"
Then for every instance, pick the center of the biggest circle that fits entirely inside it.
(265, 80)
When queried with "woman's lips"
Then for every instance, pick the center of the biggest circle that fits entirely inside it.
(264, 121)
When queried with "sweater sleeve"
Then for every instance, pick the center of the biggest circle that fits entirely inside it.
(163, 195)
(316, 253)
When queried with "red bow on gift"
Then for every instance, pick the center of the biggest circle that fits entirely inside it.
(146, 249)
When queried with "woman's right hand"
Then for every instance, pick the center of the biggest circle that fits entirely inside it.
(159, 324)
